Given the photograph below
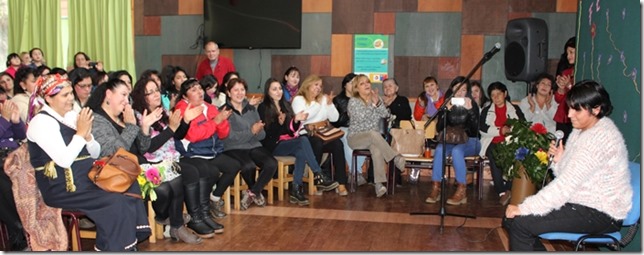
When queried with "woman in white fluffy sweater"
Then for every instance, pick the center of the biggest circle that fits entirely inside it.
(591, 192)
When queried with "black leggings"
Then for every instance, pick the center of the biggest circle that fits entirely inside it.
(222, 167)
(169, 202)
(337, 149)
(249, 161)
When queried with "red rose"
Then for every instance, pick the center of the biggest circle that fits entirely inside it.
(539, 129)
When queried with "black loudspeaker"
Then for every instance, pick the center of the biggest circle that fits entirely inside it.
(526, 50)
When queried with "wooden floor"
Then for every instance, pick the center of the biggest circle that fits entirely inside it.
(359, 222)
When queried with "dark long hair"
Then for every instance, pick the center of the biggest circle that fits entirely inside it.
(22, 75)
(140, 104)
(563, 61)
(270, 114)
(98, 95)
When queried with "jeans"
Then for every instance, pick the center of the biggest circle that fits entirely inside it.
(348, 152)
(500, 185)
(301, 149)
(524, 230)
(458, 153)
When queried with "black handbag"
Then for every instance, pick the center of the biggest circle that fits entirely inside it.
(453, 135)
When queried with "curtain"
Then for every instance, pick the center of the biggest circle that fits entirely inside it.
(36, 23)
(103, 30)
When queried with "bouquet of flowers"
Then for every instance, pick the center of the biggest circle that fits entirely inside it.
(153, 175)
(526, 146)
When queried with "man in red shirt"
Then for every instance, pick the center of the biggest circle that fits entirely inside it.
(214, 64)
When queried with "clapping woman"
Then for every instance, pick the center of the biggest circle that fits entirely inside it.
(168, 206)
(281, 126)
(365, 110)
(243, 144)
(121, 220)
(321, 109)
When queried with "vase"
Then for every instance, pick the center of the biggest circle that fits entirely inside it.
(522, 187)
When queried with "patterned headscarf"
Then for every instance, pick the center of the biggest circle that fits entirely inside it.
(46, 85)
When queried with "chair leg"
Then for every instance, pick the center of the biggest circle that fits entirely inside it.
(227, 200)
(280, 180)
(156, 229)
(237, 187)
(75, 231)
(312, 188)
(354, 171)
(479, 178)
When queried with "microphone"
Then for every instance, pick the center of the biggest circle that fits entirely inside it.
(497, 48)
(558, 136)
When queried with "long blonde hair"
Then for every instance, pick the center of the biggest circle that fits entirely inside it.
(304, 88)
(354, 84)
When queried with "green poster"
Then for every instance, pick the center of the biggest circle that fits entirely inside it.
(371, 56)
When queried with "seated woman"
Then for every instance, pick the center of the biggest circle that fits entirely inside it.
(464, 116)
(398, 105)
(12, 130)
(281, 125)
(212, 94)
(365, 111)
(6, 82)
(172, 77)
(291, 83)
(591, 192)
(168, 206)
(493, 129)
(429, 100)
(73, 150)
(82, 83)
(23, 87)
(202, 147)
(243, 143)
(320, 108)
(540, 106)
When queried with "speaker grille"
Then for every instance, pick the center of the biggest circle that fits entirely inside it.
(514, 59)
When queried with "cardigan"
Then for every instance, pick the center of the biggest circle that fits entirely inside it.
(593, 172)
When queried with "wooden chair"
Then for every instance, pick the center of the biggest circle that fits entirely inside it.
(283, 176)
(239, 185)
(71, 218)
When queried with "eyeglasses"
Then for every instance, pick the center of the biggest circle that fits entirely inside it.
(152, 92)
(84, 86)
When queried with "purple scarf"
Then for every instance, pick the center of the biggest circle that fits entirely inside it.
(430, 108)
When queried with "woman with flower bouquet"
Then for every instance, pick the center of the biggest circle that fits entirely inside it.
(164, 178)
(493, 130)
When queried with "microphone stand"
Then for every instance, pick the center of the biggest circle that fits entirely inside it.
(442, 212)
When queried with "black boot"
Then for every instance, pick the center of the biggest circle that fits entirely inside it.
(323, 182)
(191, 195)
(296, 195)
(205, 188)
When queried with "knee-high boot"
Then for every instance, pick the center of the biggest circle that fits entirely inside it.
(205, 188)
(193, 205)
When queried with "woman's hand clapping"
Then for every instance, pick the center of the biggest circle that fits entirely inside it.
(84, 123)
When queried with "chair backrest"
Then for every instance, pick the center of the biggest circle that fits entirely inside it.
(634, 214)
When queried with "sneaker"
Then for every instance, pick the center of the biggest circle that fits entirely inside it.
(217, 208)
(381, 190)
(361, 180)
(259, 200)
(341, 190)
(296, 196)
(247, 199)
(322, 182)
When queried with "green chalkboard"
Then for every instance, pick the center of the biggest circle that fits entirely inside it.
(609, 52)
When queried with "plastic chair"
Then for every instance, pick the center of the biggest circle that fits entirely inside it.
(613, 238)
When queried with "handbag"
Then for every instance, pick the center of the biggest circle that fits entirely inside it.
(115, 173)
(408, 142)
(453, 135)
(324, 130)
(286, 137)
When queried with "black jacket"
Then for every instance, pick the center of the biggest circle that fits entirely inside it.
(341, 103)
(459, 116)
(274, 130)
